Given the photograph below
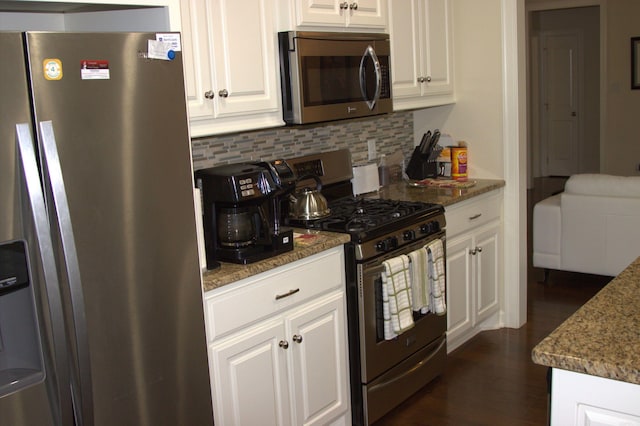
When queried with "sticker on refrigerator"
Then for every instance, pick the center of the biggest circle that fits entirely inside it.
(94, 70)
(172, 38)
(52, 69)
(157, 49)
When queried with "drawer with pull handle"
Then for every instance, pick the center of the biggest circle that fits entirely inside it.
(250, 300)
(474, 212)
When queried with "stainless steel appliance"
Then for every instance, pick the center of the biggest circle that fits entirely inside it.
(332, 76)
(242, 211)
(383, 372)
(101, 319)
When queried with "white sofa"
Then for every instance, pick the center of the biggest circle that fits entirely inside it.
(592, 227)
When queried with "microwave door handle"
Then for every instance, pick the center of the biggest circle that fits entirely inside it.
(370, 52)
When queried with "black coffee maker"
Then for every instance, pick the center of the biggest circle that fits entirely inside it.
(242, 211)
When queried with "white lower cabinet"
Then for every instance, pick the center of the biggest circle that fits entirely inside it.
(287, 365)
(474, 261)
(581, 399)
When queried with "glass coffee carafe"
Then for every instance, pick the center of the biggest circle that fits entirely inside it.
(236, 227)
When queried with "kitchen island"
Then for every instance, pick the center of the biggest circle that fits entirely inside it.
(595, 357)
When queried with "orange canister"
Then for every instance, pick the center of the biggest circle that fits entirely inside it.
(459, 163)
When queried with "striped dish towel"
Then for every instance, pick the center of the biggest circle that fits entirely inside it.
(437, 284)
(419, 280)
(396, 296)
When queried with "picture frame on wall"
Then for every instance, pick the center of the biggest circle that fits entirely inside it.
(635, 63)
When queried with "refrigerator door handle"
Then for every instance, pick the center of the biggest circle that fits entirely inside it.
(59, 386)
(81, 370)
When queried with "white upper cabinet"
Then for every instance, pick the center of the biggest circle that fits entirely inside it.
(231, 74)
(327, 14)
(421, 53)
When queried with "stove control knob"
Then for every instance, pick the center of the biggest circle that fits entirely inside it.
(430, 228)
(387, 244)
(409, 235)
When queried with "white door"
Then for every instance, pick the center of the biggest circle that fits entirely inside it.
(560, 102)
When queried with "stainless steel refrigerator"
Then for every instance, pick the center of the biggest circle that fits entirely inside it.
(101, 314)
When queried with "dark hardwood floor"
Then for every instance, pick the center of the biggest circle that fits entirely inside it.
(491, 379)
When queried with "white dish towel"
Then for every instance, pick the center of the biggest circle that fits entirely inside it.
(419, 274)
(396, 296)
(435, 255)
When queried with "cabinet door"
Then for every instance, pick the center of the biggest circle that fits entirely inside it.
(404, 27)
(321, 13)
(487, 246)
(421, 53)
(318, 347)
(459, 289)
(340, 13)
(230, 65)
(249, 377)
(437, 50)
(197, 55)
(368, 14)
(245, 56)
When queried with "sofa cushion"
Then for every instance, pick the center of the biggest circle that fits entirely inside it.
(601, 184)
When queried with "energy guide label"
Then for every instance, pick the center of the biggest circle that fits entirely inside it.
(94, 70)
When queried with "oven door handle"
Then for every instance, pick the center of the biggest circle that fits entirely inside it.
(409, 372)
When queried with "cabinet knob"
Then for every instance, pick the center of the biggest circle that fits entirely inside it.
(283, 344)
(297, 338)
(428, 78)
(353, 6)
(344, 5)
(223, 93)
(479, 249)
(209, 94)
(421, 79)
(472, 252)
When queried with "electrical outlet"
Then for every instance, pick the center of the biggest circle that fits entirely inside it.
(371, 145)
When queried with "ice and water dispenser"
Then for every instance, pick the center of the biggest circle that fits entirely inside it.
(21, 362)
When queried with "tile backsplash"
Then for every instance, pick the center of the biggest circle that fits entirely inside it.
(392, 132)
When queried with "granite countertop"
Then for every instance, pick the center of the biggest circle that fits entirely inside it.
(439, 195)
(603, 337)
(305, 243)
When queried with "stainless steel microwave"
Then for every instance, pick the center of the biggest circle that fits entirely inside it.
(332, 76)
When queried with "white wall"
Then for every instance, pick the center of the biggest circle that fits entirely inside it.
(620, 151)
(476, 117)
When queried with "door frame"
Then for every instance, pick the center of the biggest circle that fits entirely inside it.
(533, 116)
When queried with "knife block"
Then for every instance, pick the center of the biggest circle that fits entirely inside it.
(421, 166)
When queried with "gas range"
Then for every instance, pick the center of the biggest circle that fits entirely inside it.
(378, 226)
